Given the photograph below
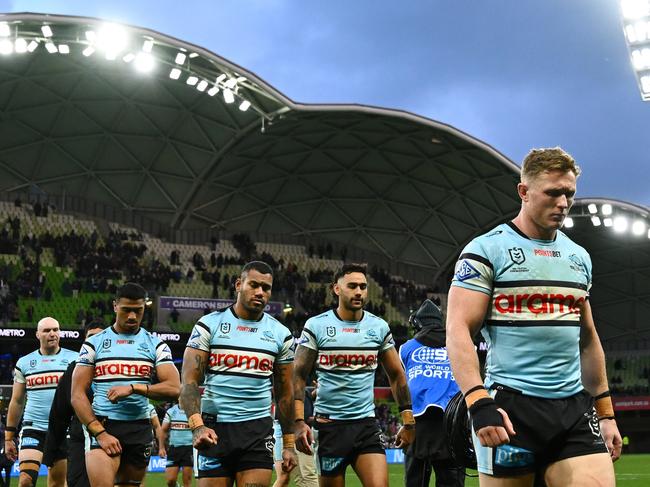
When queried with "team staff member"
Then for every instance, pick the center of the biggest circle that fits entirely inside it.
(346, 344)
(119, 363)
(237, 351)
(432, 385)
(179, 454)
(525, 285)
(62, 417)
(35, 379)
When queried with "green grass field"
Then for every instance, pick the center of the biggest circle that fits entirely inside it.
(631, 471)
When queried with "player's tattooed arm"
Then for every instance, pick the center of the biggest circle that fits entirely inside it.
(194, 366)
(303, 364)
(396, 377)
(283, 389)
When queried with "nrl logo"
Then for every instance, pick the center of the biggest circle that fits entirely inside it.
(517, 255)
(331, 331)
(225, 327)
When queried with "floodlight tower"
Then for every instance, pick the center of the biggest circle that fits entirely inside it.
(636, 25)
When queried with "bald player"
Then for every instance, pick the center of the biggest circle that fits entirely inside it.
(35, 379)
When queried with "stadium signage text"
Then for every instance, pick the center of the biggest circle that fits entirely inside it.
(168, 337)
(198, 304)
(21, 332)
(537, 303)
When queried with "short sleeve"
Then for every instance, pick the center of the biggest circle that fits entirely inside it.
(388, 341)
(308, 337)
(163, 354)
(474, 270)
(19, 376)
(286, 351)
(86, 355)
(200, 337)
(167, 418)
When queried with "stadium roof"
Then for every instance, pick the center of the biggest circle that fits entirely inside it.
(176, 134)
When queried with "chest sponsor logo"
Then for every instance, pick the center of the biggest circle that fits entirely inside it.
(547, 253)
(41, 380)
(538, 303)
(517, 255)
(235, 360)
(124, 342)
(180, 426)
(331, 331)
(127, 369)
(347, 359)
(465, 271)
(246, 329)
(351, 330)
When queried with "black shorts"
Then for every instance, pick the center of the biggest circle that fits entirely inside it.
(52, 452)
(180, 456)
(340, 442)
(136, 438)
(548, 430)
(76, 474)
(31, 439)
(242, 446)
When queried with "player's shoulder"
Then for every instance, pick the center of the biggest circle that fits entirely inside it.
(279, 328)
(320, 320)
(373, 318)
(97, 337)
(26, 359)
(564, 241)
(491, 239)
(214, 318)
(68, 354)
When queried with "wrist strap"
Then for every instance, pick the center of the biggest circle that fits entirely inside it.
(95, 428)
(474, 394)
(604, 407)
(603, 394)
(99, 433)
(407, 417)
(299, 409)
(288, 441)
(10, 433)
(195, 421)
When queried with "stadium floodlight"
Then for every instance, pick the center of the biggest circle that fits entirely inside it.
(245, 105)
(213, 91)
(635, 9)
(112, 39)
(64, 49)
(147, 46)
(20, 45)
(91, 36)
(220, 78)
(606, 209)
(641, 59)
(31, 47)
(648, 233)
(129, 57)
(192, 80)
(193, 55)
(620, 224)
(568, 222)
(6, 47)
(645, 84)
(637, 32)
(51, 48)
(595, 221)
(47, 31)
(5, 30)
(180, 58)
(231, 83)
(638, 227)
(593, 209)
(203, 84)
(607, 222)
(228, 95)
(144, 62)
(175, 73)
(88, 51)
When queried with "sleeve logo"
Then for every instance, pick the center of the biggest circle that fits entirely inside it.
(465, 271)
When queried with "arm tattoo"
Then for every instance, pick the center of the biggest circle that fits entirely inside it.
(302, 366)
(284, 396)
(403, 394)
(190, 399)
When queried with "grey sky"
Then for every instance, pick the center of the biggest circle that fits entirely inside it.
(514, 73)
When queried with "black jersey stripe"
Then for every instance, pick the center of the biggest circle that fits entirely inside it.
(521, 323)
(223, 348)
(374, 349)
(203, 325)
(540, 282)
(476, 257)
(127, 359)
(343, 371)
(239, 374)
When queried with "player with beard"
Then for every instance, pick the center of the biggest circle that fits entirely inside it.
(35, 379)
(346, 344)
(119, 363)
(235, 353)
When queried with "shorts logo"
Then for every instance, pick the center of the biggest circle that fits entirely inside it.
(512, 456)
(225, 327)
(28, 441)
(517, 255)
(329, 464)
(466, 271)
(107, 343)
(208, 463)
(270, 444)
(147, 451)
(594, 425)
(331, 331)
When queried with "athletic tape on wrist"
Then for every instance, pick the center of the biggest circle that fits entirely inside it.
(288, 441)
(604, 407)
(195, 421)
(407, 417)
(484, 413)
(299, 409)
(475, 394)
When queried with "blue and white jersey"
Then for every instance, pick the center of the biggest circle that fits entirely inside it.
(537, 289)
(428, 374)
(243, 354)
(122, 360)
(41, 374)
(348, 353)
(180, 433)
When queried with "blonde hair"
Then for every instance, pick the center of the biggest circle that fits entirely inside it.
(542, 160)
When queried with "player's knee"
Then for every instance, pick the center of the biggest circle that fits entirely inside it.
(171, 482)
(28, 478)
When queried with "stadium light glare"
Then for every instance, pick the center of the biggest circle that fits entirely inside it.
(203, 84)
(649, 233)
(175, 73)
(6, 47)
(180, 58)
(638, 227)
(147, 46)
(641, 59)
(593, 209)
(64, 49)
(245, 105)
(88, 51)
(5, 30)
(193, 55)
(51, 48)
(228, 96)
(568, 222)
(20, 45)
(608, 222)
(112, 39)
(91, 36)
(220, 78)
(606, 209)
(620, 224)
(645, 84)
(47, 31)
(231, 83)
(129, 57)
(31, 47)
(637, 32)
(635, 9)
(144, 62)
(595, 221)
(192, 80)
(213, 91)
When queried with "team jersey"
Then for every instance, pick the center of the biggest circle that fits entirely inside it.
(180, 433)
(41, 374)
(346, 363)
(532, 327)
(243, 353)
(122, 360)
(428, 374)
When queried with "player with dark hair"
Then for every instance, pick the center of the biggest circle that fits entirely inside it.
(119, 363)
(545, 404)
(235, 353)
(346, 344)
(65, 428)
(35, 379)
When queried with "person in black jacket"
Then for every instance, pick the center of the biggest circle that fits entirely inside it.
(62, 417)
